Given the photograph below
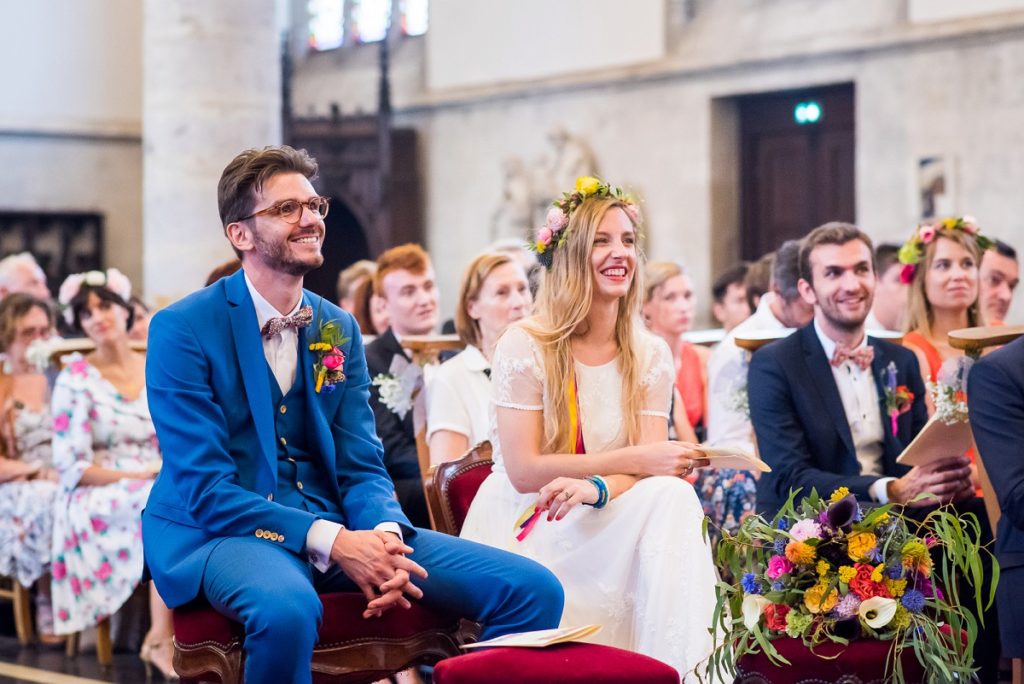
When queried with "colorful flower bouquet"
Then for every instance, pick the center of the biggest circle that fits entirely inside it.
(824, 570)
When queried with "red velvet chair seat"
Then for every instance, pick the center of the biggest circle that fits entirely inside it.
(350, 649)
(564, 663)
(862, 662)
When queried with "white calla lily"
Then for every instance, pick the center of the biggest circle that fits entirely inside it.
(877, 611)
(753, 607)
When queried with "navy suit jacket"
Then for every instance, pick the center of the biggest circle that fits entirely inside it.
(801, 427)
(397, 434)
(209, 394)
(995, 397)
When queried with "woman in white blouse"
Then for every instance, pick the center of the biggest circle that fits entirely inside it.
(494, 293)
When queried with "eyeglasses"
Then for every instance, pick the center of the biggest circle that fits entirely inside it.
(291, 210)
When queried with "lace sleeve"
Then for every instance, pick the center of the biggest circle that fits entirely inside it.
(657, 378)
(517, 381)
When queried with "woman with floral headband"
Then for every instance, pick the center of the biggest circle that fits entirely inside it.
(105, 449)
(27, 480)
(940, 262)
(581, 397)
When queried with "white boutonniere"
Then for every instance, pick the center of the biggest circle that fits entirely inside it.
(398, 387)
(40, 352)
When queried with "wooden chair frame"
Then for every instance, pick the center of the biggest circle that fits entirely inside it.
(436, 484)
(20, 598)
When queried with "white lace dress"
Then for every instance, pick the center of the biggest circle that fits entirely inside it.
(638, 567)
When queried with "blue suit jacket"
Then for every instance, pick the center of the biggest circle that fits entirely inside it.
(802, 429)
(209, 394)
(995, 397)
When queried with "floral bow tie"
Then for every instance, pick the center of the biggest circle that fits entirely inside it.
(862, 356)
(299, 319)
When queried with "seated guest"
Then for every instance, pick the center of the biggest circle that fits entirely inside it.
(368, 310)
(729, 303)
(273, 488)
(223, 271)
(105, 449)
(405, 283)
(494, 293)
(999, 276)
(758, 280)
(351, 278)
(21, 273)
(581, 396)
(140, 328)
(668, 310)
(995, 395)
(890, 307)
(526, 258)
(780, 308)
(817, 399)
(27, 480)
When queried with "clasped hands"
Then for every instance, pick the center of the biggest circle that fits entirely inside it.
(947, 479)
(376, 561)
(675, 459)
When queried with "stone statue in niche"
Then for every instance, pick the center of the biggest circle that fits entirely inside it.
(528, 192)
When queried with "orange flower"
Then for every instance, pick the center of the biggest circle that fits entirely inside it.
(817, 601)
(800, 553)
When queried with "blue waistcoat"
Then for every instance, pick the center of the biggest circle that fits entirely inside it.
(301, 482)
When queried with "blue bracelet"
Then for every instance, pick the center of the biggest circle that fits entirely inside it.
(602, 491)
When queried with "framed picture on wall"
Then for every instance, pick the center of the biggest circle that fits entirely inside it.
(935, 186)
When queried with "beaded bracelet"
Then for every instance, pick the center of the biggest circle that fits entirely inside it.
(602, 491)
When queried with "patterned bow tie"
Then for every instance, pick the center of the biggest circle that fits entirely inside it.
(862, 356)
(299, 319)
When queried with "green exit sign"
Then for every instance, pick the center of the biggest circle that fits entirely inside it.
(809, 112)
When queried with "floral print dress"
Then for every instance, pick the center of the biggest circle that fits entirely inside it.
(97, 530)
(26, 507)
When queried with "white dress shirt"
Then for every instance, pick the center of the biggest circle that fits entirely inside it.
(727, 375)
(859, 395)
(282, 354)
(459, 395)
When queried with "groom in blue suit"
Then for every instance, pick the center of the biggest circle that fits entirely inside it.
(273, 488)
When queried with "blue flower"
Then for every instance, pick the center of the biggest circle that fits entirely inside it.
(894, 572)
(750, 584)
(783, 524)
(913, 600)
(780, 546)
(778, 586)
(875, 555)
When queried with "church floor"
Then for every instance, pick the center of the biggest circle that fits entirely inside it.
(36, 664)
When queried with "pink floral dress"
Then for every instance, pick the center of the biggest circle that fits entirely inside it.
(97, 530)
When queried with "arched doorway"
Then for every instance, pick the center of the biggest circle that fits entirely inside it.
(344, 243)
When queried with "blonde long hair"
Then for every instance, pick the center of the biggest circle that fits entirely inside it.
(920, 314)
(563, 304)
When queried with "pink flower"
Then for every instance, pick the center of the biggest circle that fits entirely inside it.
(806, 529)
(76, 585)
(633, 212)
(79, 367)
(59, 570)
(61, 422)
(122, 554)
(927, 234)
(544, 235)
(104, 572)
(907, 273)
(98, 525)
(778, 566)
(556, 219)
(62, 615)
(970, 226)
(334, 360)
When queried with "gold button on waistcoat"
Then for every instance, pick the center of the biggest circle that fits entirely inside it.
(259, 533)
(281, 539)
(274, 536)
(270, 497)
(284, 442)
(284, 409)
(299, 484)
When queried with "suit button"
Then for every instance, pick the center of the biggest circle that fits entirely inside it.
(299, 484)
(259, 533)
(284, 409)
(270, 497)
(273, 536)
(281, 539)
(291, 460)
(284, 442)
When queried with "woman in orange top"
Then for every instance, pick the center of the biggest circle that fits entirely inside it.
(668, 309)
(941, 265)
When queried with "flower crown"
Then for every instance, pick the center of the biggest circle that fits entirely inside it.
(112, 279)
(552, 234)
(912, 251)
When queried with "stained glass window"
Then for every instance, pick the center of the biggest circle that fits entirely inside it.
(370, 20)
(414, 17)
(326, 24)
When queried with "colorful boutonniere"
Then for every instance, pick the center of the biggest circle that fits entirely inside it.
(329, 369)
(898, 398)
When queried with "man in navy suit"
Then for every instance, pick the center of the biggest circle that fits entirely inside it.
(995, 397)
(273, 487)
(817, 398)
(818, 404)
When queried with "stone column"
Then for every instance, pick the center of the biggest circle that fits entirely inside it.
(211, 88)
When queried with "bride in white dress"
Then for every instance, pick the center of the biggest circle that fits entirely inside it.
(636, 562)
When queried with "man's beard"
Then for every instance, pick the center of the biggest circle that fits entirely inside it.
(847, 324)
(276, 256)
